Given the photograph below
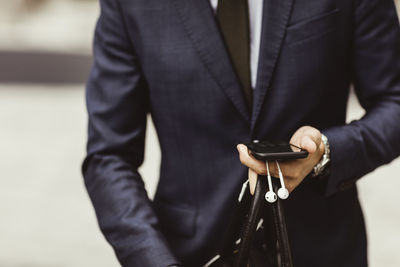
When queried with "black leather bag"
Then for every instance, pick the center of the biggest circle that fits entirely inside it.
(257, 235)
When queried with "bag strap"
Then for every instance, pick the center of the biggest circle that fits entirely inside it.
(250, 225)
(281, 231)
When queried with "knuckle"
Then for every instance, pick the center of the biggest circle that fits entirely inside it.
(292, 174)
(306, 128)
(296, 174)
(261, 171)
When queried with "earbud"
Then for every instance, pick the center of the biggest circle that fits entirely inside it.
(270, 196)
(283, 193)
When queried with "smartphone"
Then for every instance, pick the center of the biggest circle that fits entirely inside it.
(276, 151)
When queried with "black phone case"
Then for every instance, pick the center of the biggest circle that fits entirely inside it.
(257, 150)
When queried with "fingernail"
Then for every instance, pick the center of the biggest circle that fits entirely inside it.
(243, 148)
(238, 148)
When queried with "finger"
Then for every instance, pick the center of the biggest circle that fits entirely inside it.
(285, 167)
(248, 160)
(311, 139)
(252, 180)
(308, 144)
(296, 137)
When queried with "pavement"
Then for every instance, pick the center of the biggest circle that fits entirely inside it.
(62, 25)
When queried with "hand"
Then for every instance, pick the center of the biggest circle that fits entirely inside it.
(294, 171)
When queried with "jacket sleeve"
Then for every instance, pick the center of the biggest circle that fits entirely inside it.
(365, 144)
(117, 103)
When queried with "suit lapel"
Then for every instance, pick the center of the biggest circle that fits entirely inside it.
(201, 27)
(275, 19)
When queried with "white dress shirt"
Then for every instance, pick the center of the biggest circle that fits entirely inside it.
(255, 14)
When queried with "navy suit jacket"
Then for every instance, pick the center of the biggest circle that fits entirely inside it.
(167, 58)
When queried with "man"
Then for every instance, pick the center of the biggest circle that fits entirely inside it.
(214, 74)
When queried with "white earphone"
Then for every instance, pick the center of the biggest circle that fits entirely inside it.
(283, 193)
(270, 196)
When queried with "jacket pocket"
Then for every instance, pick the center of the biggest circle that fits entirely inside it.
(312, 27)
(175, 219)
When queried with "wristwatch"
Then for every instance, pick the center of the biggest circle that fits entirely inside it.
(322, 166)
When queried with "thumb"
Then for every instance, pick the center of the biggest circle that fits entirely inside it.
(308, 144)
(252, 180)
(310, 140)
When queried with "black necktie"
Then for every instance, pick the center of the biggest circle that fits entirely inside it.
(233, 20)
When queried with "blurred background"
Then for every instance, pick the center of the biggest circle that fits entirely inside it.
(46, 218)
